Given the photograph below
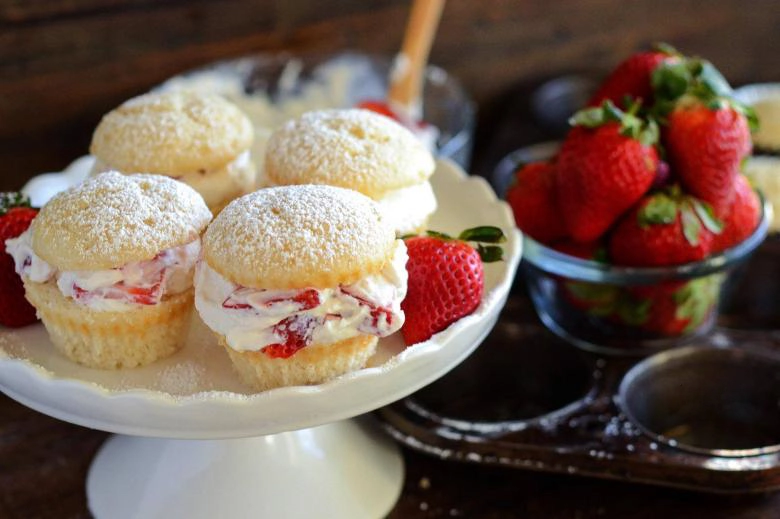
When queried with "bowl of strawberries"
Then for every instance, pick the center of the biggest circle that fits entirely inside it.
(634, 224)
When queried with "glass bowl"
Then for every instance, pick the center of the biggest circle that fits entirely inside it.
(618, 310)
(272, 88)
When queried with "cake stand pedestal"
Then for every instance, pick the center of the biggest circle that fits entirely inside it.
(344, 469)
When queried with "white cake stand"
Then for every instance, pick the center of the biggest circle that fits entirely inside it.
(193, 442)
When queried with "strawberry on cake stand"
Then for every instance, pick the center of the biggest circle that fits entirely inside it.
(192, 441)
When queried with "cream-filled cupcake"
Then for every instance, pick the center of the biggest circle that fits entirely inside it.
(360, 150)
(200, 139)
(299, 282)
(109, 267)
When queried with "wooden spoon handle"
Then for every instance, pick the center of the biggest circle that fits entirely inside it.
(406, 79)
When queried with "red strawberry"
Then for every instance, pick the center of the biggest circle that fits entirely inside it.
(379, 107)
(15, 217)
(534, 202)
(706, 145)
(606, 164)
(674, 308)
(296, 332)
(667, 228)
(631, 77)
(742, 218)
(446, 279)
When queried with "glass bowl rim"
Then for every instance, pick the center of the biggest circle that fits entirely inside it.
(551, 261)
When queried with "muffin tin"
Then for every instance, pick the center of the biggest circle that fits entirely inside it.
(704, 416)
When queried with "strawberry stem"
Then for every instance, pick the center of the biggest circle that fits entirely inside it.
(484, 234)
(491, 253)
(437, 234)
(11, 199)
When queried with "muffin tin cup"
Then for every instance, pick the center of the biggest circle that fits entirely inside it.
(714, 401)
(703, 417)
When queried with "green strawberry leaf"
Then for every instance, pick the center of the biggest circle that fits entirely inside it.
(634, 312)
(671, 80)
(650, 134)
(691, 225)
(483, 234)
(490, 254)
(588, 117)
(696, 299)
(11, 199)
(592, 292)
(707, 216)
(660, 209)
(437, 234)
(712, 80)
(612, 112)
(665, 48)
(599, 297)
(750, 114)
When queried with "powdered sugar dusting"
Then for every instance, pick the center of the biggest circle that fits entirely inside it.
(183, 378)
(113, 219)
(352, 148)
(299, 236)
(172, 133)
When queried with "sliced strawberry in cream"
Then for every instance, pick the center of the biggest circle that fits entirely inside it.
(380, 317)
(244, 298)
(295, 332)
(281, 322)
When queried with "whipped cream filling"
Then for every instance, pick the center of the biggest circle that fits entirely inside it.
(216, 186)
(118, 289)
(280, 322)
(408, 208)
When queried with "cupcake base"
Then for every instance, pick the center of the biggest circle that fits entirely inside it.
(110, 339)
(311, 365)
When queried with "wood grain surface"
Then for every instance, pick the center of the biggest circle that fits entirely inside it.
(64, 63)
(44, 463)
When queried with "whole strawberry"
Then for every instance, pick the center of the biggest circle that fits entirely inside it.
(706, 144)
(742, 217)
(631, 78)
(534, 202)
(606, 164)
(666, 228)
(446, 279)
(15, 217)
(676, 307)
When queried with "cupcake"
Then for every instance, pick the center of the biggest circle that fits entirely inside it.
(108, 265)
(299, 282)
(360, 150)
(200, 139)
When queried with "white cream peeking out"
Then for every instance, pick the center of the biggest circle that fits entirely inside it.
(250, 319)
(117, 289)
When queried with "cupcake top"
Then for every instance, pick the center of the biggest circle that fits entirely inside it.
(297, 237)
(768, 112)
(352, 148)
(172, 133)
(113, 219)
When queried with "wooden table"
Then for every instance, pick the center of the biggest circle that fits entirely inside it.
(44, 462)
